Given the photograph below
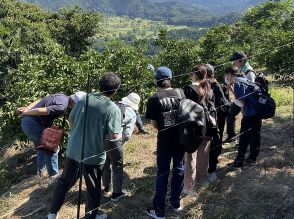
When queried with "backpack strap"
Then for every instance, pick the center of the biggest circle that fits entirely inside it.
(180, 93)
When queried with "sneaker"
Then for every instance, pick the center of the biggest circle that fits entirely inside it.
(235, 164)
(212, 177)
(117, 196)
(155, 213)
(230, 140)
(143, 131)
(52, 216)
(186, 192)
(250, 161)
(106, 189)
(101, 216)
(178, 210)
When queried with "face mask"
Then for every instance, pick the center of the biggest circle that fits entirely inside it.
(227, 81)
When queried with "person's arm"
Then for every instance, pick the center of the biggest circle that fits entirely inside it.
(251, 76)
(35, 112)
(22, 109)
(33, 104)
(114, 125)
(152, 111)
(129, 125)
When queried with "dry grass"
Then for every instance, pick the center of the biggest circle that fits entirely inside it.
(263, 191)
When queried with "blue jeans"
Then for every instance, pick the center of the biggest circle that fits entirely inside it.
(32, 127)
(164, 157)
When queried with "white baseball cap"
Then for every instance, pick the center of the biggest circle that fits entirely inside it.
(132, 100)
(78, 96)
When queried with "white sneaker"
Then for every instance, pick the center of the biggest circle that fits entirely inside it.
(178, 210)
(101, 216)
(52, 216)
(212, 177)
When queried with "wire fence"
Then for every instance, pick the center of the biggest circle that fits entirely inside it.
(137, 188)
(2, 85)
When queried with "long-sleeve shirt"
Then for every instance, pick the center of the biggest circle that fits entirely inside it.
(128, 123)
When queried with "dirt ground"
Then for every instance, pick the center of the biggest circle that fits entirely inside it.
(265, 190)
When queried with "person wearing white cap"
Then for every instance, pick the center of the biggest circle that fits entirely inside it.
(40, 115)
(127, 105)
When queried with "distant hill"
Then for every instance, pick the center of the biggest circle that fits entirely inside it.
(223, 6)
(133, 8)
(173, 12)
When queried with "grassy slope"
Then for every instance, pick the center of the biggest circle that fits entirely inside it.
(263, 191)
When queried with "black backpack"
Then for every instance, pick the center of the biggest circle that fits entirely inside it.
(192, 125)
(220, 99)
(122, 108)
(260, 80)
(170, 106)
(210, 116)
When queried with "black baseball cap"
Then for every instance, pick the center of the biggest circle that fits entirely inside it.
(239, 55)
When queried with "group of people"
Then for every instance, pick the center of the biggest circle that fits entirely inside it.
(109, 125)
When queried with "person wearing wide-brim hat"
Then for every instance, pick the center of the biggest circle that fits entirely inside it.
(127, 105)
(133, 100)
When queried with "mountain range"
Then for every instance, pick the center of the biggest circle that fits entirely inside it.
(223, 6)
(187, 12)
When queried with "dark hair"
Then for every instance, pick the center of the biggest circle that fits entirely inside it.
(109, 83)
(163, 83)
(200, 73)
(210, 71)
(234, 71)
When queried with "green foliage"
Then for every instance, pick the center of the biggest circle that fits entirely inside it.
(262, 28)
(282, 95)
(72, 28)
(43, 53)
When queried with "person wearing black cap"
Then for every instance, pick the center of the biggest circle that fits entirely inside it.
(162, 111)
(240, 61)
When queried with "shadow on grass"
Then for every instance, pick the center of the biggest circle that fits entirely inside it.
(264, 190)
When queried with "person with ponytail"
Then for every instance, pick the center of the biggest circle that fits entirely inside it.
(196, 164)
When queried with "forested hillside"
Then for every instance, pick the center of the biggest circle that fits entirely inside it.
(173, 12)
(46, 52)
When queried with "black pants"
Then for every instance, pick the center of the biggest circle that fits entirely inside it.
(231, 120)
(114, 159)
(92, 175)
(250, 127)
(216, 143)
(139, 122)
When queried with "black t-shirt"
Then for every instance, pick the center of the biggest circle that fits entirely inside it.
(194, 94)
(162, 107)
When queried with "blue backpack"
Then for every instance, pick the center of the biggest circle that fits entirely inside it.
(266, 106)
